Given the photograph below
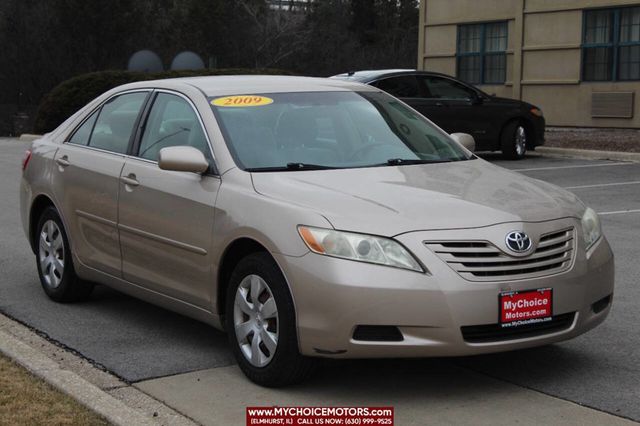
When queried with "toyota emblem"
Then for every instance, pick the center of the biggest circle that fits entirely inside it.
(518, 241)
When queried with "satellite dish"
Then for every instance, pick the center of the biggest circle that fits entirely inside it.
(145, 61)
(187, 61)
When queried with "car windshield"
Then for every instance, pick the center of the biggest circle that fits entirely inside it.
(325, 130)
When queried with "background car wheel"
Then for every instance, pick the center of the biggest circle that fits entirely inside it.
(261, 324)
(55, 266)
(514, 141)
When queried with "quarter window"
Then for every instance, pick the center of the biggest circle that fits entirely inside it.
(172, 122)
(481, 55)
(611, 44)
(82, 133)
(113, 128)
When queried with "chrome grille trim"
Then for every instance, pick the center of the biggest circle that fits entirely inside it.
(483, 261)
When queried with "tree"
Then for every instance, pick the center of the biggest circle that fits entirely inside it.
(275, 34)
(361, 34)
(46, 42)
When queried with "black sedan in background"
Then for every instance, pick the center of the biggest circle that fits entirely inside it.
(508, 125)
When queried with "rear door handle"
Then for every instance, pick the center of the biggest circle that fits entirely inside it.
(130, 180)
(63, 161)
(439, 104)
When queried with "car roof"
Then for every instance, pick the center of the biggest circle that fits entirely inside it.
(248, 84)
(368, 76)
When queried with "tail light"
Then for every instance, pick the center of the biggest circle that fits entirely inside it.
(25, 159)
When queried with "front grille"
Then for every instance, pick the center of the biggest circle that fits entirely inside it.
(483, 261)
(496, 333)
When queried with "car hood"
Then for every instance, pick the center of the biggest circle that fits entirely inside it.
(505, 101)
(394, 200)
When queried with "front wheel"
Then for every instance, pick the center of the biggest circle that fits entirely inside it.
(55, 266)
(261, 324)
(514, 141)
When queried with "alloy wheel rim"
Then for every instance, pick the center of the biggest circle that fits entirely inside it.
(521, 140)
(255, 319)
(51, 254)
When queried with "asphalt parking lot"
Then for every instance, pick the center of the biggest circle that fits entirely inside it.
(179, 360)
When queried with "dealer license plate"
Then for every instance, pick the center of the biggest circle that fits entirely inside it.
(525, 307)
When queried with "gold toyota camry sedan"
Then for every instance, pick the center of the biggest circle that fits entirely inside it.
(309, 218)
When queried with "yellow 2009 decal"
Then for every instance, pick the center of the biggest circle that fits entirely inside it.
(242, 101)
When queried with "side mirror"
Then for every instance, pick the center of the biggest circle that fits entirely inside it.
(182, 159)
(465, 140)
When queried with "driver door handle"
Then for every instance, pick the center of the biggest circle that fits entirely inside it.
(130, 180)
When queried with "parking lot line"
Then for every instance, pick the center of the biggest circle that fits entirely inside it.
(636, 182)
(620, 212)
(579, 166)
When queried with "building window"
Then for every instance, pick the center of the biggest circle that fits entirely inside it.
(611, 44)
(482, 57)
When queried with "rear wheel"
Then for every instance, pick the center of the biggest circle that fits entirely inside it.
(514, 141)
(55, 267)
(261, 324)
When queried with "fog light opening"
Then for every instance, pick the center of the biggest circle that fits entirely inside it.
(378, 333)
(601, 304)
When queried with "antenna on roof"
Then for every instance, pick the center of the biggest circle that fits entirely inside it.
(351, 73)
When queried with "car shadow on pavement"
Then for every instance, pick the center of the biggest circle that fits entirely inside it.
(542, 367)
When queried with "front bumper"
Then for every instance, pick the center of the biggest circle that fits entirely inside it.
(334, 296)
(539, 126)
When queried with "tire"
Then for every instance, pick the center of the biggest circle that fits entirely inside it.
(54, 260)
(513, 141)
(258, 359)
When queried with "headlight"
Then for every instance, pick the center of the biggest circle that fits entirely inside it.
(360, 247)
(536, 111)
(591, 229)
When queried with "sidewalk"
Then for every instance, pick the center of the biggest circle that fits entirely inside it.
(588, 154)
(424, 392)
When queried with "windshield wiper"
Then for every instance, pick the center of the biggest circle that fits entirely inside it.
(307, 166)
(402, 161)
(291, 167)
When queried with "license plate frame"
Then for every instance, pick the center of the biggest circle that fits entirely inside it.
(524, 307)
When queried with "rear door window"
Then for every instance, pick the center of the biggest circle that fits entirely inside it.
(443, 88)
(115, 123)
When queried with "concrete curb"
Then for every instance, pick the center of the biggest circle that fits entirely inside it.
(70, 383)
(28, 137)
(589, 154)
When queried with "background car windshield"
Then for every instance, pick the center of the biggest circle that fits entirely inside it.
(328, 129)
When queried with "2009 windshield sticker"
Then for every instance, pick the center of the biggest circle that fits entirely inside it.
(242, 101)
